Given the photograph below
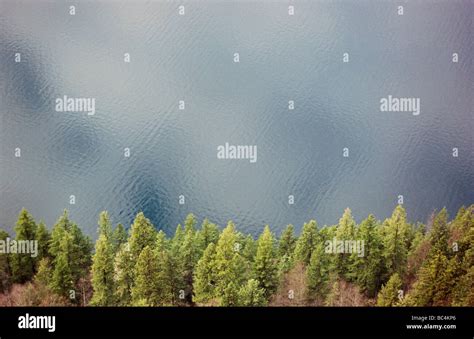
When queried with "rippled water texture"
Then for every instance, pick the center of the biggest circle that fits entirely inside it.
(190, 58)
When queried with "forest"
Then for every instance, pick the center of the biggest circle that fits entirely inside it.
(203, 264)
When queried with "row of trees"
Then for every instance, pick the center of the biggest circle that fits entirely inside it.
(402, 264)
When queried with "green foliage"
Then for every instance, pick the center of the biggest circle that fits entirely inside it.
(43, 237)
(317, 274)
(368, 270)
(306, 242)
(142, 234)
(103, 272)
(389, 294)
(395, 231)
(439, 233)
(205, 276)
(123, 275)
(209, 233)
(145, 291)
(5, 270)
(23, 264)
(286, 245)
(230, 267)
(62, 281)
(119, 237)
(434, 281)
(105, 226)
(345, 231)
(265, 265)
(251, 294)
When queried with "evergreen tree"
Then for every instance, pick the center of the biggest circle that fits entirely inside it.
(5, 271)
(167, 279)
(249, 248)
(188, 257)
(177, 241)
(317, 274)
(142, 234)
(62, 226)
(145, 291)
(123, 275)
(23, 264)
(208, 233)
(345, 231)
(80, 254)
(265, 266)
(433, 285)
(204, 276)
(306, 242)
(389, 294)
(251, 294)
(43, 238)
(369, 268)
(230, 267)
(105, 226)
(286, 245)
(103, 272)
(43, 276)
(161, 243)
(439, 233)
(62, 281)
(190, 223)
(119, 237)
(395, 242)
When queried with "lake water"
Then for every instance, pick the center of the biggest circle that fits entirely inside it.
(190, 57)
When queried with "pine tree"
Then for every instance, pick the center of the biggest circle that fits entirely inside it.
(208, 233)
(23, 264)
(265, 265)
(395, 242)
(317, 274)
(251, 294)
(205, 276)
(286, 245)
(190, 223)
(230, 267)
(439, 233)
(345, 231)
(433, 284)
(43, 276)
(142, 234)
(123, 275)
(389, 294)
(5, 270)
(167, 279)
(119, 237)
(369, 268)
(306, 242)
(145, 291)
(80, 254)
(105, 226)
(62, 226)
(161, 243)
(62, 281)
(249, 248)
(43, 238)
(187, 259)
(103, 272)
